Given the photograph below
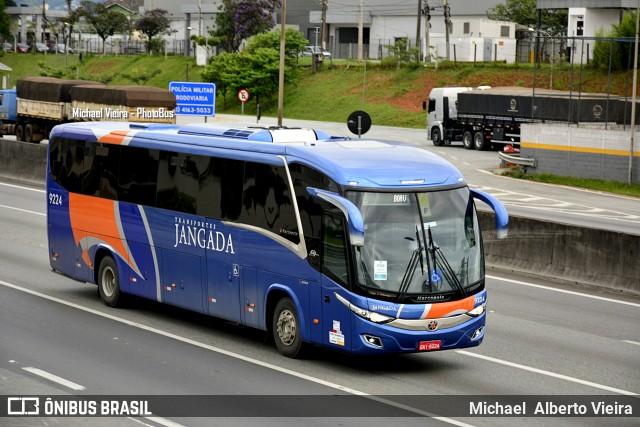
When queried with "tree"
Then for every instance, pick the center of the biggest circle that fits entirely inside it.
(106, 22)
(524, 12)
(294, 42)
(5, 25)
(257, 68)
(240, 19)
(621, 53)
(152, 23)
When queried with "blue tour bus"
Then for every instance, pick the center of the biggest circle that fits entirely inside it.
(364, 246)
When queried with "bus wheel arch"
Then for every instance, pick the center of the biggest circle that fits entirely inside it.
(108, 279)
(285, 324)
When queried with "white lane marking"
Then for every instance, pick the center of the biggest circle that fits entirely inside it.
(162, 421)
(23, 187)
(549, 288)
(547, 373)
(237, 356)
(631, 342)
(55, 378)
(22, 210)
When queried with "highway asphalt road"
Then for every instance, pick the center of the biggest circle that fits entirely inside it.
(540, 341)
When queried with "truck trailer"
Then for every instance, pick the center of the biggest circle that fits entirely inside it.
(39, 103)
(485, 117)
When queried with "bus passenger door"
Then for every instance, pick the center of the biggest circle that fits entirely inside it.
(336, 317)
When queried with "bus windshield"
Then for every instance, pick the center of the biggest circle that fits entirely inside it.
(419, 243)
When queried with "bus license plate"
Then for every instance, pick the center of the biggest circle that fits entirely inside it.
(429, 345)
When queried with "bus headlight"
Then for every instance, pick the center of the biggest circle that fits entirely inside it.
(366, 314)
(477, 311)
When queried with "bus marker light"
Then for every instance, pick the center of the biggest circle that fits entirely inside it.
(316, 321)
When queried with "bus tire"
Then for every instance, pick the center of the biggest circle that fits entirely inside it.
(286, 329)
(108, 282)
(478, 141)
(436, 137)
(467, 140)
(19, 133)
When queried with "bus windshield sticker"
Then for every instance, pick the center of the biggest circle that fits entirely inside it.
(380, 270)
(425, 207)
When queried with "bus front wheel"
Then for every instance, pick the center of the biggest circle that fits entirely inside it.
(109, 282)
(286, 329)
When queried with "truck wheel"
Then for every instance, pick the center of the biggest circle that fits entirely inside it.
(467, 140)
(478, 141)
(286, 329)
(109, 282)
(436, 137)
(19, 133)
(28, 133)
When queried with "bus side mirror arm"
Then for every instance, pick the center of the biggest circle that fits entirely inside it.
(502, 217)
(355, 222)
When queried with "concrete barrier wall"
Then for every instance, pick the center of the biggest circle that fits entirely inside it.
(589, 256)
(594, 257)
(23, 160)
(588, 151)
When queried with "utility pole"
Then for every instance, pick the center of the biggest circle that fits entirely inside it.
(427, 29)
(360, 31)
(418, 29)
(325, 4)
(447, 25)
(281, 74)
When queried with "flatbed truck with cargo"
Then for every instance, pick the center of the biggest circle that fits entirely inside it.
(37, 104)
(485, 117)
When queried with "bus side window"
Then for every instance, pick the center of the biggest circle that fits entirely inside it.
(66, 159)
(177, 182)
(100, 170)
(267, 201)
(334, 249)
(220, 184)
(138, 174)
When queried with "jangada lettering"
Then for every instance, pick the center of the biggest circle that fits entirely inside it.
(203, 238)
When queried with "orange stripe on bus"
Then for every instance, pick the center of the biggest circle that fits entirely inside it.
(115, 137)
(95, 217)
(443, 309)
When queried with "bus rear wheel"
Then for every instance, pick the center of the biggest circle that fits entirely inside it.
(109, 282)
(286, 329)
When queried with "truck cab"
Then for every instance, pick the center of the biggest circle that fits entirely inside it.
(8, 115)
(442, 114)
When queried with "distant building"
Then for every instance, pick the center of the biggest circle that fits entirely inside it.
(586, 17)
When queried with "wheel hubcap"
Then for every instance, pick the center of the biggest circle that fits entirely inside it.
(287, 327)
(108, 282)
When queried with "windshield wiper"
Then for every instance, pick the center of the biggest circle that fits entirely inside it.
(440, 260)
(409, 272)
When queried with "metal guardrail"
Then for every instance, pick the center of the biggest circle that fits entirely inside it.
(520, 161)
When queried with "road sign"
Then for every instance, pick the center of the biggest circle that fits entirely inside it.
(359, 122)
(243, 95)
(194, 99)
